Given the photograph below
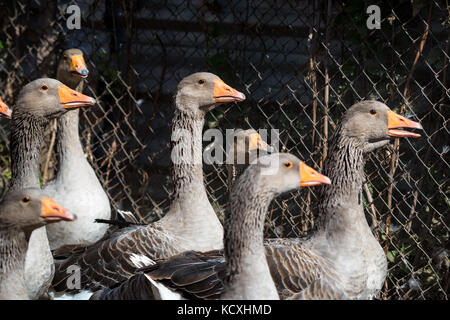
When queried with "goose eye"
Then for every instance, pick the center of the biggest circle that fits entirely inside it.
(44, 87)
(201, 81)
(287, 164)
(373, 112)
(26, 199)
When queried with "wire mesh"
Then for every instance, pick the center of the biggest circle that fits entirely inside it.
(301, 65)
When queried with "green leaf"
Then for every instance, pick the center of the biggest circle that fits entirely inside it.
(212, 124)
(390, 256)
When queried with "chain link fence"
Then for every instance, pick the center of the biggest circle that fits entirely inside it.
(301, 65)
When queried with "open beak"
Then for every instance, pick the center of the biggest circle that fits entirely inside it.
(71, 99)
(78, 66)
(225, 93)
(53, 212)
(310, 177)
(256, 142)
(395, 122)
(5, 111)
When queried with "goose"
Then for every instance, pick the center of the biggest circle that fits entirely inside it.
(189, 224)
(341, 259)
(246, 276)
(21, 212)
(5, 111)
(247, 272)
(38, 102)
(246, 147)
(76, 185)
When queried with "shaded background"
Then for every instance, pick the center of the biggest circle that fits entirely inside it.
(301, 65)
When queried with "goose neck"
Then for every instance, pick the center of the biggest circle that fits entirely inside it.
(187, 155)
(12, 260)
(70, 151)
(72, 81)
(341, 201)
(26, 139)
(244, 240)
(190, 216)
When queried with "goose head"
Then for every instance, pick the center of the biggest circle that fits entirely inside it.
(373, 124)
(203, 91)
(284, 172)
(250, 140)
(5, 111)
(29, 209)
(49, 98)
(245, 145)
(71, 67)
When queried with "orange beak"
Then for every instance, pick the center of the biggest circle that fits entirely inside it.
(71, 99)
(78, 66)
(53, 212)
(5, 111)
(310, 177)
(396, 121)
(225, 93)
(256, 142)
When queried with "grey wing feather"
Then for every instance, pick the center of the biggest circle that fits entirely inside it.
(135, 288)
(109, 262)
(194, 275)
(297, 273)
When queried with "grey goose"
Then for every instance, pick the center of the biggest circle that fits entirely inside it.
(189, 224)
(247, 146)
(246, 275)
(76, 185)
(21, 212)
(247, 272)
(341, 259)
(38, 102)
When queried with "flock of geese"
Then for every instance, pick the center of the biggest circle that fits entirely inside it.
(51, 246)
